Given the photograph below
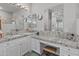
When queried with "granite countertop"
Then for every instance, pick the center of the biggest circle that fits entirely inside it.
(51, 39)
(64, 42)
(12, 37)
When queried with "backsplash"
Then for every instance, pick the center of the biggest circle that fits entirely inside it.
(62, 35)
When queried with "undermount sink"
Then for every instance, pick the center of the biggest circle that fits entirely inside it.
(16, 35)
(11, 36)
(27, 33)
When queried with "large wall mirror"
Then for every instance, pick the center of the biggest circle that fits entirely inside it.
(57, 17)
(15, 17)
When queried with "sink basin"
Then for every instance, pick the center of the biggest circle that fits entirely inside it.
(27, 33)
(16, 35)
(11, 36)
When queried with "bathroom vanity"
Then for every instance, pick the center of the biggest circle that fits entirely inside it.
(65, 47)
(15, 45)
(17, 24)
(18, 45)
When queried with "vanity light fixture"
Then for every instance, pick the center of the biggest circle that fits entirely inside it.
(17, 4)
(20, 5)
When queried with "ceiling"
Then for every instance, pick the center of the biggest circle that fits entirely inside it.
(9, 7)
(12, 8)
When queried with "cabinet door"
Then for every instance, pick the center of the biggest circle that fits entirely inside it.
(36, 45)
(28, 43)
(64, 51)
(2, 49)
(23, 45)
(74, 52)
(33, 44)
(13, 50)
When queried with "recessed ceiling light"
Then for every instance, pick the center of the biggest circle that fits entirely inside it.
(1, 7)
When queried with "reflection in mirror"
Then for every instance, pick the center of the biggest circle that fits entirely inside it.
(31, 21)
(14, 17)
(57, 16)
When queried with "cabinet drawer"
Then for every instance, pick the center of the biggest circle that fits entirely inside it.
(64, 49)
(64, 53)
(69, 51)
(74, 54)
(74, 51)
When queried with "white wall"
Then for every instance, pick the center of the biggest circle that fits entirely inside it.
(77, 20)
(70, 17)
(42, 8)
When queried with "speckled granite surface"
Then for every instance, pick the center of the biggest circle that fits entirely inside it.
(47, 38)
(13, 37)
(64, 42)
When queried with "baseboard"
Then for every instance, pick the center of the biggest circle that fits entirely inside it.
(36, 52)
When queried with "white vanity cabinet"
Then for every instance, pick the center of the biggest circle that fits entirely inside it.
(9, 49)
(23, 45)
(36, 45)
(16, 47)
(63, 50)
(67, 51)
